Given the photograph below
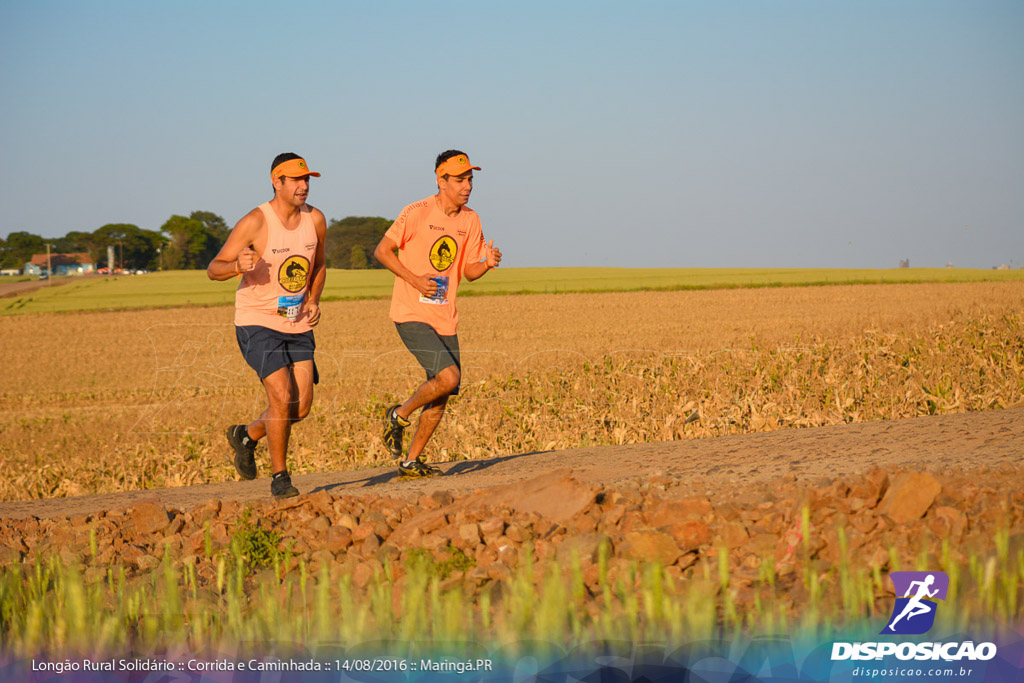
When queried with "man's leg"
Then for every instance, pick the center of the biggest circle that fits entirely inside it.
(440, 386)
(439, 357)
(445, 381)
(275, 422)
(302, 384)
(429, 419)
(290, 396)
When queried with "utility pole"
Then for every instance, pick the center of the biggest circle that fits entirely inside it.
(49, 268)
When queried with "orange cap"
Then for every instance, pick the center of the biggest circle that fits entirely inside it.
(456, 165)
(293, 168)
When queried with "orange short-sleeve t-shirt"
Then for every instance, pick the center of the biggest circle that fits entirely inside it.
(433, 243)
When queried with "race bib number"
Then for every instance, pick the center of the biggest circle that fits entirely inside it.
(290, 306)
(441, 295)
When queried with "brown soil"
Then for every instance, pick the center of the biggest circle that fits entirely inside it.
(716, 467)
(749, 360)
(805, 500)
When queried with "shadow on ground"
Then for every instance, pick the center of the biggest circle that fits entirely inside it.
(463, 467)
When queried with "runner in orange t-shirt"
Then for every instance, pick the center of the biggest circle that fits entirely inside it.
(438, 241)
(278, 249)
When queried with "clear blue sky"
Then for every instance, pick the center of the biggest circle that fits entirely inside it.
(691, 134)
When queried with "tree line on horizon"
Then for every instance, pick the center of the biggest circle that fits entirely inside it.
(186, 243)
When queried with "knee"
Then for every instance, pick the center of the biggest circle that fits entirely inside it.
(279, 403)
(301, 412)
(449, 379)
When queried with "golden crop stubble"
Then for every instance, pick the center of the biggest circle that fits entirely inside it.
(112, 401)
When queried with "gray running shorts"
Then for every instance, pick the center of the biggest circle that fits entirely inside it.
(433, 351)
(267, 351)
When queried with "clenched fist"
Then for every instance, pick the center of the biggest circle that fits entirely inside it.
(247, 259)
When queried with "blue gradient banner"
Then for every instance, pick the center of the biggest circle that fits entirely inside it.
(843, 658)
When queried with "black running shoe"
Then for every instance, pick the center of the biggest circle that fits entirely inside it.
(417, 469)
(245, 451)
(281, 486)
(394, 428)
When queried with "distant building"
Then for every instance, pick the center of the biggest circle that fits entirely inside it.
(9, 272)
(904, 263)
(950, 265)
(62, 264)
(1002, 267)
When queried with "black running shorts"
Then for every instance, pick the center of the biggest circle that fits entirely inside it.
(267, 351)
(433, 351)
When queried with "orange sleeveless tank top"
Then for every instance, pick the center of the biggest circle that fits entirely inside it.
(272, 294)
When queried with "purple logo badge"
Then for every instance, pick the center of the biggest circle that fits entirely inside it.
(917, 594)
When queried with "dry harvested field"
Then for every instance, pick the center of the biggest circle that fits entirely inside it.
(633, 467)
(101, 402)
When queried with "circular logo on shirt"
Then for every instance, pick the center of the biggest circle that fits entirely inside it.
(293, 273)
(442, 254)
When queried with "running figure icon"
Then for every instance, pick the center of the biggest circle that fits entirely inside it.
(916, 604)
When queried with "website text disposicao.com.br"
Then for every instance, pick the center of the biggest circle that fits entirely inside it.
(907, 672)
(953, 653)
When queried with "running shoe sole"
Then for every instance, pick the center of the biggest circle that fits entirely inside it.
(419, 470)
(281, 487)
(245, 458)
(393, 432)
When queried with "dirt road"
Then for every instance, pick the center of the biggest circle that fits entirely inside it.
(941, 443)
(29, 286)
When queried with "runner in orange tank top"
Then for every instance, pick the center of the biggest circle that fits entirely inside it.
(438, 240)
(278, 250)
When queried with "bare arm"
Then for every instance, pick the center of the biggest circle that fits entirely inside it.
(385, 254)
(237, 255)
(475, 271)
(319, 275)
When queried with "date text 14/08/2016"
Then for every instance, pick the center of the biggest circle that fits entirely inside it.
(447, 666)
(456, 666)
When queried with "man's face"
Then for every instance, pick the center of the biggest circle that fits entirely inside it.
(292, 190)
(457, 188)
